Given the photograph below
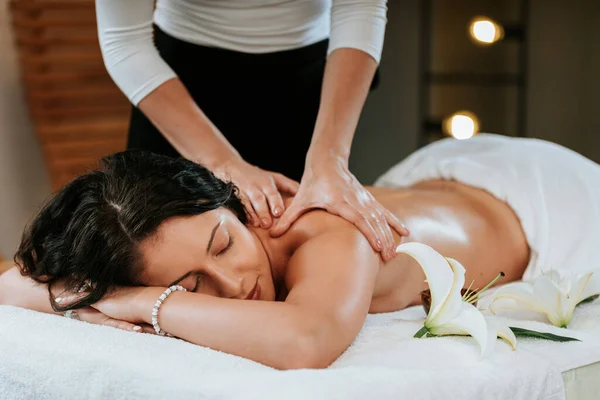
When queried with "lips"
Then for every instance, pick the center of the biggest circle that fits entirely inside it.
(254, 293)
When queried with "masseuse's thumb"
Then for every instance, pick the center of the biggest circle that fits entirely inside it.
(290, 215)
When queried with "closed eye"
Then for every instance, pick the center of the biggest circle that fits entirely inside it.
(229, 244)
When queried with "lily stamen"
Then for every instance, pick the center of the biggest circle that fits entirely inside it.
(476, 294)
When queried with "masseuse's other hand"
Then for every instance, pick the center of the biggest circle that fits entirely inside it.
(332, 187)
(260, 190)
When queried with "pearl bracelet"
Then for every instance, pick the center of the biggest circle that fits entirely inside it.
(157, 305)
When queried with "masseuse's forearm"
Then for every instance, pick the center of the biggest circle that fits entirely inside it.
(277, 334)
(348, 77)
(173, 111)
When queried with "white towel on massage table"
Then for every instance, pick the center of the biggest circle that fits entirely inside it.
(50, 357)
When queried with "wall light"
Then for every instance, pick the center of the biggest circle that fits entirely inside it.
(461, 125)
(485, 31)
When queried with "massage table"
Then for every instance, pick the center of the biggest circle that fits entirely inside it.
(45, 356)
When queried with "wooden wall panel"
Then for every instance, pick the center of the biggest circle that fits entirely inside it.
(78, 112)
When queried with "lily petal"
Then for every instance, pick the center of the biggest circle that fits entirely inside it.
(593, 286)
(469, 322)
(453, 303)
(578, 285)
(504, 303)
(554, 301)
(440, 277)
(502, 331)
(521, 292)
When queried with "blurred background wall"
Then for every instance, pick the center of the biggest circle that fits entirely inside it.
(563, 77)
(24, 183)
(59, 111)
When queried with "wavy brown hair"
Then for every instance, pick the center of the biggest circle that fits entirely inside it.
(90, 230)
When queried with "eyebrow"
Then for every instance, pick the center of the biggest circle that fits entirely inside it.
(212, 235)
(210, 241)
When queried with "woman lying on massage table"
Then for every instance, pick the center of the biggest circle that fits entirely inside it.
(144, 222)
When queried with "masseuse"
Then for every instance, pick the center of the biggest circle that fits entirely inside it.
(263, 92)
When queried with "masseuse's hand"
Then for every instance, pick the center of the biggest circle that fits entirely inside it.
(260, 190)
(332, 187)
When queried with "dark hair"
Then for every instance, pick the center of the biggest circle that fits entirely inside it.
(90, 230)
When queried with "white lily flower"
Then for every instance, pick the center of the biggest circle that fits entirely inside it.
(556, 295)
(498, 329)
(448, 313)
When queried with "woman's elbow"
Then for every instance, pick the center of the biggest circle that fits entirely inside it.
(7, 285)
(306, 351)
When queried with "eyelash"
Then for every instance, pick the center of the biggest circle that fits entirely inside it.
(198, 278)
(229, 244)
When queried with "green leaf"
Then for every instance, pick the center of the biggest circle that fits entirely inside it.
(520, 332)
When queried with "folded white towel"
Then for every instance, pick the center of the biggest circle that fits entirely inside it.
(49, 357)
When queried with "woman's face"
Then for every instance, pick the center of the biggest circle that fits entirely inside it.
(212, 253)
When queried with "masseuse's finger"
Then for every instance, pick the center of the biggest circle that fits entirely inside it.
(361, 221)
(274, 199)
(285, 184)
(384, 232)
(395, 223)
(294, 211)
(259, 203)
(253, 218)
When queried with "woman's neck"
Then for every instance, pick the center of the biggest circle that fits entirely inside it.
(278, 250)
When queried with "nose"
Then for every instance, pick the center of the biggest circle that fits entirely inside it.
(230, 284)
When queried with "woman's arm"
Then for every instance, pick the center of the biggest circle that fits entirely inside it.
(133, 62)
(20, 291)
(355, 46)
(331, 279)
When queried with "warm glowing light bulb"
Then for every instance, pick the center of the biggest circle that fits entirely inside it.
(461, 125)
(485, 31)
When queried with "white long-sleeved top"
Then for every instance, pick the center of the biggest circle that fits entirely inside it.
(250, 26)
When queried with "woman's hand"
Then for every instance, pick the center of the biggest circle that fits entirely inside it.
(331, 186)
(121, 307)
(93, 316)
(260, 190)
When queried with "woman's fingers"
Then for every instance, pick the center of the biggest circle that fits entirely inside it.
(123, 325)
(146, 328)
(93, 316)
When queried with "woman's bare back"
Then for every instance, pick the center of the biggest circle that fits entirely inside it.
(459, 221)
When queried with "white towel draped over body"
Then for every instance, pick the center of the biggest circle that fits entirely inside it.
(554, 192)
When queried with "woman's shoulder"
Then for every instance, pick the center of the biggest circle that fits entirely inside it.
(317, 222)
